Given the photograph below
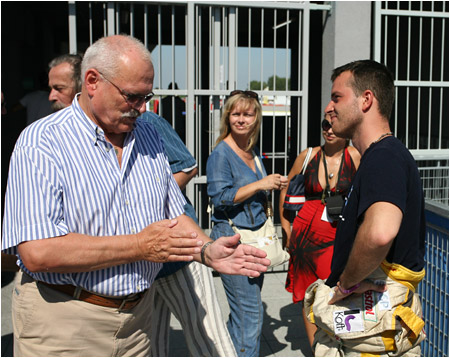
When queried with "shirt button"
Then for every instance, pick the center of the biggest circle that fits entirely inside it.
(126, 202)
(133, 230)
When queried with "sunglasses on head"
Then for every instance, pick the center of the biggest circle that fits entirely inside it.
(250, 94)
(326, 126)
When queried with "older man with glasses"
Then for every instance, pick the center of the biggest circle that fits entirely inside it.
(92, 210)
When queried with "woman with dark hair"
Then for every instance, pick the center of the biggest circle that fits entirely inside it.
(238, 187)
(310, 243)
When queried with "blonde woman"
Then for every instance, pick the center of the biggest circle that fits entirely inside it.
(238, 191)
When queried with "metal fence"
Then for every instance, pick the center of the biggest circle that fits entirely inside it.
(411, 38)
(434, 288)
(434, 175)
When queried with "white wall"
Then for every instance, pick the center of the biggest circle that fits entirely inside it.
(346, 38)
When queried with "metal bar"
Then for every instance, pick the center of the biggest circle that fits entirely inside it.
(430, 154)
(412, 13)
(90, 23)
(442, 77)
(287, 117)
(146, 25)
(190, 110)
(249, 45)
(401, 83)
(305, 76)
(376, 48)
(110, 17)
(117, 19)
(210, 45)
(232, 35)
(160, 49)
(262, 50)
(299, 81)
(105, 22)
(172, 39)
(199, 47)
(72, 9)
(274, 50)
(274, 88)
(419, 76)
(225, 92)
(268, 5)
(223, 49)
(132, 19)
(216, 66)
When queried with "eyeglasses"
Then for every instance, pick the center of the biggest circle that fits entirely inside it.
(250, 94)
(134, 100)
(326, 126)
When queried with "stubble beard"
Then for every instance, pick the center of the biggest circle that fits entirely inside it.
(349, 122)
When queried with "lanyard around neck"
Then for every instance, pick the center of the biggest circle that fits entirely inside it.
(327, 189)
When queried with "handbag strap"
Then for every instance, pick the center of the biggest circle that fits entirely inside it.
(306, 161)
(229, 220)
(259, 165)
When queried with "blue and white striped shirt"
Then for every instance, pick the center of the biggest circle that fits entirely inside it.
(64, 177)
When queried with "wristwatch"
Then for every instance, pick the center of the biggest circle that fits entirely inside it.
(350, 290)
(202, 253)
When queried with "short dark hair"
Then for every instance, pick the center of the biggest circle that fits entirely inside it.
(373, 76)
(75, 62)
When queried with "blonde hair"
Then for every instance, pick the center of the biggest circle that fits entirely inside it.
(246, 103)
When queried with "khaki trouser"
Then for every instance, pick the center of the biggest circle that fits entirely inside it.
(375, 324)
(48, 323)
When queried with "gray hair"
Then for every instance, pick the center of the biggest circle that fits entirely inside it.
(105, 55)
(75, 62)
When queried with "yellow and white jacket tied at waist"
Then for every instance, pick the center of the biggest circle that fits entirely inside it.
(370, 324)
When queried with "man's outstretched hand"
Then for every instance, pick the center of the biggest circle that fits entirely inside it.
(226, 255)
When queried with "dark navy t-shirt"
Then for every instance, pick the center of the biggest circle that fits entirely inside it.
(388, 173)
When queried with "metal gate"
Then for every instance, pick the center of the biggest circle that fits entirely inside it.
(411, 38)
(204, 50)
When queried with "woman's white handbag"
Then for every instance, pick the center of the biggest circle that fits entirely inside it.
(265, 238)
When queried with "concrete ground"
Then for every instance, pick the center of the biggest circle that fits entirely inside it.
(283, 331)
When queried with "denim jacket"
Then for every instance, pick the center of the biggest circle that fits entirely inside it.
(226, 173)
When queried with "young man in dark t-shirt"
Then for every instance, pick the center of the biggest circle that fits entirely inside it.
(387, 173)
(382, 228)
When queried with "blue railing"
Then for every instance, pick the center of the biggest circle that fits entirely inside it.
(434, 288)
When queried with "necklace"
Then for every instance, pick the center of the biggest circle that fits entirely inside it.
(382, 136)
(331, 175)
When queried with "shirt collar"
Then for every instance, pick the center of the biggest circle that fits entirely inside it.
(94, 131)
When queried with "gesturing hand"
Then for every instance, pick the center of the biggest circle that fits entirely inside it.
(227, 256)
(162, 241)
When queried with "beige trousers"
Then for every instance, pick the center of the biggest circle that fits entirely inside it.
(48, 323)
